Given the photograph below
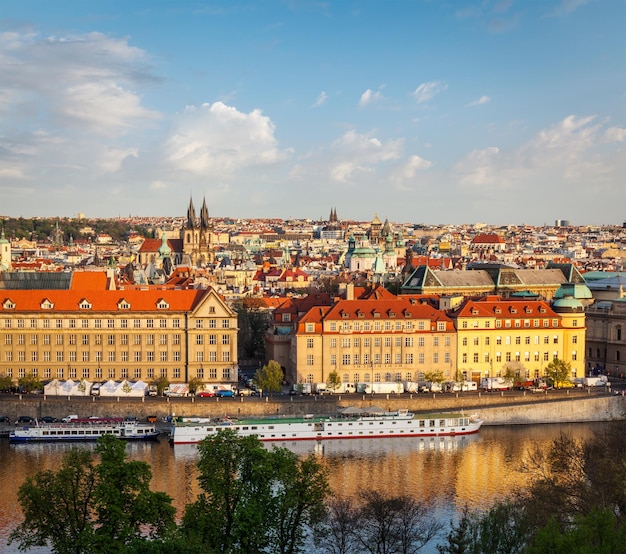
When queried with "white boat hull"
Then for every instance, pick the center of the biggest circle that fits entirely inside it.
(70, 432)
(291, 429)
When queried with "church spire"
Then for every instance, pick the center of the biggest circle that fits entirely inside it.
(204, 216)
(191, 215)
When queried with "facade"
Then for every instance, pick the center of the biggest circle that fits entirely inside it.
(118, 334)
(493, 333)
(372, 341)
(606, 337)
(198, 237)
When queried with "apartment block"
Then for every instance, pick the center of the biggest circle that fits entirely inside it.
(118, 334)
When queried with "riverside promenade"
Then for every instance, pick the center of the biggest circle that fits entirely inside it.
(495, 408)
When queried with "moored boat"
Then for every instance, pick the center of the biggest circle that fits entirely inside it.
(84, 431)
(351, 423)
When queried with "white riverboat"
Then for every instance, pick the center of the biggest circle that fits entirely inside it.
(84, 431)
(351, 423)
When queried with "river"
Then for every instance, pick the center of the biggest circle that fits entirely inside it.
(451, 472)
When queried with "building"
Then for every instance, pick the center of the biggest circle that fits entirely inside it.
(91, 333)
(372, 340)
(493, 333)
(606, 337)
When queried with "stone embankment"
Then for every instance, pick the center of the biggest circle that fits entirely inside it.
(494, 408)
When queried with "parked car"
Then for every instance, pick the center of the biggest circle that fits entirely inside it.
(24, 420)
(48, 419)
(5, 419)
(205, 393)
(224, 393)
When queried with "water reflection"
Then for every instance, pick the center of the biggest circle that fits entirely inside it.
(450, 471)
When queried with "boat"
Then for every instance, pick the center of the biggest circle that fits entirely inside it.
(84, 430)
(350, 423)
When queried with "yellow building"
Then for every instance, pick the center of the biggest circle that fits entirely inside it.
(372, 340)
(118, 334)
(493, 332)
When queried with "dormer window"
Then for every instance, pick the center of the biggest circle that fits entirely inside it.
(474, 311)
(513, 310)
(376, 314)
(345, 315)
(498, 311)
(542, 310)
(360, 314)
(84, 304)
(162, 305)
(392, 314)
(8, 304)
(528, 310)
(46, 304)
(407, 314)
(123, 305)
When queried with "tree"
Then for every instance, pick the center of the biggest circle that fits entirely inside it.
(398, 524)
(87, 507)
(195, 385)
(333, 382)
(335, 533)
(434, 377)
(161, 383)
(253, 499)
(269, 377)
(513, 372)
(462, 536)
(6, 383)
(29, 383)
(559, 372)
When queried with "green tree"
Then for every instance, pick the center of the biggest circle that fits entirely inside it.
(87, 507)
(333, 382)
(195, 385)
(269, 377)
(161, 383)
(462, 536)
(434, 377)
(599, 532)
(559, 372)
(253, 499)
(29, 383)
(6, 383)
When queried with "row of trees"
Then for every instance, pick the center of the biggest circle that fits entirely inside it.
(255, 500)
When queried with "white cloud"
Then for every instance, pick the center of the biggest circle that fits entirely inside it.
(369, 97)
(615, 134)
(480, 101)
(405, 173)
(321, 100)
(218, 139)
(427, 91)
(478, 168)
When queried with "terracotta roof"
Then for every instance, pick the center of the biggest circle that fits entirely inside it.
(100, 300)
(89, 280)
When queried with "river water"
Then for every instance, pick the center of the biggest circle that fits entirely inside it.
(451, 472)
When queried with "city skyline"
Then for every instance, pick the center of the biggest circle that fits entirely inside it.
(430, 112)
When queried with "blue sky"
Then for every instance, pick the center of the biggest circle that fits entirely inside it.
(424, 111)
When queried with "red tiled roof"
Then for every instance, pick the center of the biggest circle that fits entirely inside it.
(100, 300)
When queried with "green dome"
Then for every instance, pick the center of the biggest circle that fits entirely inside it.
(567, 304)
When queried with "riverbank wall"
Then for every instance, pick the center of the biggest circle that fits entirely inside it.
(493, 408)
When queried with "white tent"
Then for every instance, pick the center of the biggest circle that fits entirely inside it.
(139, 388)
(53, 388)
(110, 388)
(81, 388)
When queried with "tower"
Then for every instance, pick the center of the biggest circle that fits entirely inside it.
(197, 236)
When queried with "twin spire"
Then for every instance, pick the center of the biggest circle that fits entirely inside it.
(204, 216)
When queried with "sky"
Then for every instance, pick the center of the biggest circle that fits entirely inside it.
(418, 111)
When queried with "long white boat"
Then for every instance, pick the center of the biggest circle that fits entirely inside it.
(84, 431)
(351, 423)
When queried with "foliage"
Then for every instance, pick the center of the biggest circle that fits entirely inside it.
(6, 383)
(195, 385)
(252, 322)
(462, 537)
(513, 371)
(559, 372)
(253, 499)
(434, 377)
(333, 382)
(599, 532)
(269, 377)
(29, 383)
(335, 533)
(87, 507)
(161, 383)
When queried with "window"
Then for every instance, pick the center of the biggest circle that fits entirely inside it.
(408, 341)
(137, 356)
(59, 324)
(225, 323)
(85, 340)
(150, 339)
(163, 340)
(176, 373)
(150, 356)
(199, 340)
(309, 359)
(212, 324)
(176, 325)
(123, 323)
(111, 356)
(59, 340)
(226, 356)
(309, 343)
(72, 339)
(421, 342)
(150, 323)
(487, 341)
(345, 359)
(123, 356)
(435, 341)
(84, 323)
(136, 340)
(200, 373)
(176, 339)
(163, 356)
(388, 342)
(345, 343)
(408, 358)
(475, 357)
(420, 358)
(441, 325)
(464, 357)
(162, 323)
(137, 323)
(200, 356)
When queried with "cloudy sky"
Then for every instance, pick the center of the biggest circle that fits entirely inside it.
(424, 111)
